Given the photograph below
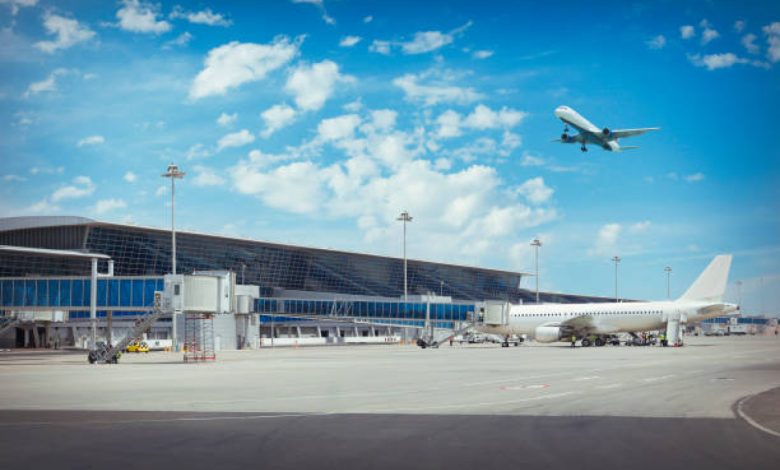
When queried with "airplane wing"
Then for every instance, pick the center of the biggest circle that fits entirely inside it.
(582, 323)
(576, 138)
(620, 133)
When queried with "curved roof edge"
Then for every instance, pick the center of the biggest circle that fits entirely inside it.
(19, 223)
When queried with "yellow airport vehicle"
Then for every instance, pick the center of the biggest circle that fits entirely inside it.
(138, 347)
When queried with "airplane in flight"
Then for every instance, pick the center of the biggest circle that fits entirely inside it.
(548, 323)
(588, 133)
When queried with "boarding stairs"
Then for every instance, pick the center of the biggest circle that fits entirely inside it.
(434, 340)
(107, 353)
(8, 323)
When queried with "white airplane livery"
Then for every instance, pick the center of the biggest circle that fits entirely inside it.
(554, 322)
(588, 133)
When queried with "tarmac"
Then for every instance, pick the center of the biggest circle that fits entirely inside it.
(714, 402)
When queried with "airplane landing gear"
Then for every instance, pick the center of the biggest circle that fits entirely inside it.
(584, 148)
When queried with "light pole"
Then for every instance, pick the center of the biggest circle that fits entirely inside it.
(616, 259)
(173, 173)
(536, 243)
(405, 217)
(668, 271)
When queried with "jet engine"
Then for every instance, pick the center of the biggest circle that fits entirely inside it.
(565, 137)
(606, 131)
(547, 334)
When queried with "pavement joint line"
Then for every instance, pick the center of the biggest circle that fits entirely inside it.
(479, 404)
(741, 413)
(169, 420)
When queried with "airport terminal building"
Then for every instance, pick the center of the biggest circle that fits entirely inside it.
(45, 266)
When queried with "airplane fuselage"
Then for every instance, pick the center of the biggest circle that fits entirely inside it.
(588, 132)
(604, 318)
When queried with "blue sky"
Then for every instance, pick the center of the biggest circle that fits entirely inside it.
(316, 123)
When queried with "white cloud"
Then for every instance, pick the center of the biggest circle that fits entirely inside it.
(68, 31)
(482, 54)
(383, 119)
(716, 61)
(449, 124)
(225, 119)
(748, 41)
(640, 227)
(338, 128)
(42, 207)
(708, 34)
(739, 25)
(181, 40)
(438, 89)
(426, 41)
(141, 17)
(422, 42)
(312, 85)
(772, 31)
(161, 190)
(485, 118)
(206, 17)
(606, 240)
(535, 191)
(657, 42)
(82, 186)
(687, 31)
(235, 63)
(197, 151)
(16, 5)
(530, 160)
(696, 177)
(91, 140)
(380, 47)
(277, 117)
(349, 41)
(368, 19)
(48, 84)
(206, 177)
(108, 205)
(130, 177)
(320, 4)
(353, 106)
(48, 171)
(9, 178)
(235, 139)
(470, 212)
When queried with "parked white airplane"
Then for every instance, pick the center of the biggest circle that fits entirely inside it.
(589, 133)
(553, 322)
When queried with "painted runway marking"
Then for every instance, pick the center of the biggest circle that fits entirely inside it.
(656, 379)
(471, 405)
(609, 386)
(593, 377)
(524, 387)
(750, 420)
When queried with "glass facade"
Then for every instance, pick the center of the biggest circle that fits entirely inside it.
(139, 251)
(67, 293)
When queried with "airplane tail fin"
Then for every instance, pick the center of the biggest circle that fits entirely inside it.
(711, 283)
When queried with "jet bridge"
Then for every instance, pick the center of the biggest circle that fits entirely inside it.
(496, 313)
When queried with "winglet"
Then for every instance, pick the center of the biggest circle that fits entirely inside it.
(711, 283)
